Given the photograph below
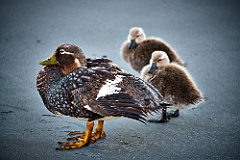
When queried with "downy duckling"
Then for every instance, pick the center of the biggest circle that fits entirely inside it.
(137, 50)
(173, 82)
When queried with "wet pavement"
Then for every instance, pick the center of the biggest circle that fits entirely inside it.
(206, 34)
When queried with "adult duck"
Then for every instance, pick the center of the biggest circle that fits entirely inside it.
(87, 89)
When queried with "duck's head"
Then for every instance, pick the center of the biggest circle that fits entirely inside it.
(68, 56)
(136, 36)
(158, 59)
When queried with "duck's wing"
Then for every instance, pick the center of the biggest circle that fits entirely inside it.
(143, 92)
(118, 105)
(95, 90)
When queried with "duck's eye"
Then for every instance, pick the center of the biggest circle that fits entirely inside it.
(159, 60)
(61, 51)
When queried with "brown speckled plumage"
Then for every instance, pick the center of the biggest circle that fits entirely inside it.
(93, 89)
(75, 94)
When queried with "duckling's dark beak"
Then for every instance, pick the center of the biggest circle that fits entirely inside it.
(132, 44)
(153, 67)
(50, 61)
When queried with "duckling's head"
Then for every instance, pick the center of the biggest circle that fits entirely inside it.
(136, 36)
(158, 59)
(68, 56)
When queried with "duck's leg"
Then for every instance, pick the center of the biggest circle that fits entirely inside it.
(164, 118)
(99, 132)
(81, 142)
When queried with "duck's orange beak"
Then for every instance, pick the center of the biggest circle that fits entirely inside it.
(50, 61)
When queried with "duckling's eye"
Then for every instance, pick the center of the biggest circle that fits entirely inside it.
(159, 60)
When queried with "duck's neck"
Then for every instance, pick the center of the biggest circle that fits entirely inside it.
(66, 69)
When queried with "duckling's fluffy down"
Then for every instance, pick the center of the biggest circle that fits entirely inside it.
(175, 84)
(140, 56)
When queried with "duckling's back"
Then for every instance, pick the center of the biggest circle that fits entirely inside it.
(145, 49)
(176, 85)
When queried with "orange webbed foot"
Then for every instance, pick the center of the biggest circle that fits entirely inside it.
(95, 135)
(85, 138)
(81, 142)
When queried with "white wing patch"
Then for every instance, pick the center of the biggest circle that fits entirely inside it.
(87, 107)
(110, 87)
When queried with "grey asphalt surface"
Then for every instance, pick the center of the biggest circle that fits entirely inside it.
(206, 34)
